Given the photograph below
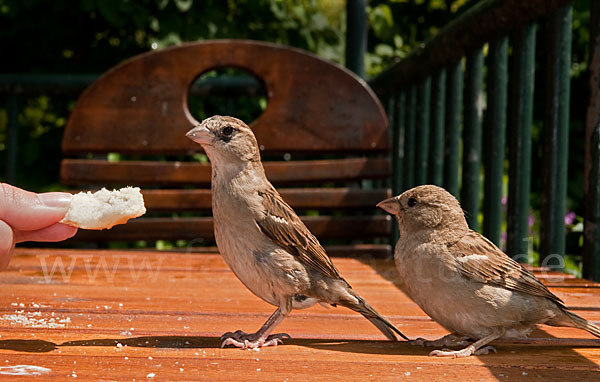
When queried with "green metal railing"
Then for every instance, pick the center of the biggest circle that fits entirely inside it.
(437, 96)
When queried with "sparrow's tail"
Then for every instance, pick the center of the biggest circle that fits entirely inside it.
(361, 306)
(582, 323)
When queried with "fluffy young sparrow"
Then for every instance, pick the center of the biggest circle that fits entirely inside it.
(463, 281)
(263, 241)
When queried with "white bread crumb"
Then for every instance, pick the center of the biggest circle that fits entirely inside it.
(104, 209)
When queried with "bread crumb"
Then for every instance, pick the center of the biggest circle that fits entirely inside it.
(104, 209)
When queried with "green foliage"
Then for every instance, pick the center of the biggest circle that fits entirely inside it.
(399, 26)
(91, 36)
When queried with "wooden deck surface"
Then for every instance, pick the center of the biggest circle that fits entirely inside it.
(110, 315)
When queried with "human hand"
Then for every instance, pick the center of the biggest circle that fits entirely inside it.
(27, 216)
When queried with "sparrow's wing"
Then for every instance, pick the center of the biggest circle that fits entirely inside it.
(281, 224)
(479, 259)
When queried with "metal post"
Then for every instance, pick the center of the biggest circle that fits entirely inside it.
(409, 140)
(436, 149)
(422, 133)
(397, 110)
(472, 136)
(356, 36)
(495, 137)
(453, 120)
(520, 117)
(591, 243)
(556, 135)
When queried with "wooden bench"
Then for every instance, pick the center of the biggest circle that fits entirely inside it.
(316, 111)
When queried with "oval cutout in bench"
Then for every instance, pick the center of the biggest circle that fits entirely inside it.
(227, 91)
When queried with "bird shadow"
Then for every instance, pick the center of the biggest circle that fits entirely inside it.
(338, 345)
(165, 342)
(203, 342)
(539, 342)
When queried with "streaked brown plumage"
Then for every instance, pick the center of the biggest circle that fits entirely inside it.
(293, 235)
(463, 281)
(263, 241)
(499, 269)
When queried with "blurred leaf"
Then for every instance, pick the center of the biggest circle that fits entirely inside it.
(184, 5)
(382, 21)
(168, 40)
(437, 4)
(384, 50)
(398, 41)
(457, 4)
(162, 4)
(318, 22)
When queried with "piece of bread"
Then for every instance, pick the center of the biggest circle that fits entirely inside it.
(104, 209)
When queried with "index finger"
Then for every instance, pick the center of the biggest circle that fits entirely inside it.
(28, 211)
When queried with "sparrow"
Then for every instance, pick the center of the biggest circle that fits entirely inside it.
(463, 281)
(263, 241)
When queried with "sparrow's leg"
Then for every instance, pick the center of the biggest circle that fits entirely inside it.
(475, 348)
(258, 339)
(452, 339)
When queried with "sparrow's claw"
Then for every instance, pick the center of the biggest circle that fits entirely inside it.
(453, 353)
(237, 335)
(244, 340)
(466, 352)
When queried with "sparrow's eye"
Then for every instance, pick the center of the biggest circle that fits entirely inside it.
(227, 131)
(412, 202)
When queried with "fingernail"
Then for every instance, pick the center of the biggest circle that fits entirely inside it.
(56, 199)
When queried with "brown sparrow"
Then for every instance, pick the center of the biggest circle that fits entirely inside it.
(463, 281)
(263, 241)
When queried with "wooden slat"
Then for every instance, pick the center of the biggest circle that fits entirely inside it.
(357, 251)
(140, 106)
(298, 198)
(360, 251)
(323, 227)
(89, 172)
(177, 200)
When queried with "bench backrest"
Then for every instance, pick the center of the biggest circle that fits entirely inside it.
(316, 110)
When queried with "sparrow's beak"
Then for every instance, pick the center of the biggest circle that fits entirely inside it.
(200, 134)
(391, 206)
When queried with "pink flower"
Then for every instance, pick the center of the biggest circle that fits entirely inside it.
(570, 217)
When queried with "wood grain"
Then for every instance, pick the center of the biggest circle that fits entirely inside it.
(313, 105)
(300, 198)
(324, 227)
(124, 315)
(89, 172)
(320, 112)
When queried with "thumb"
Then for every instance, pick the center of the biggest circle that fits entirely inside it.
(28, 211)
(7, 244)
